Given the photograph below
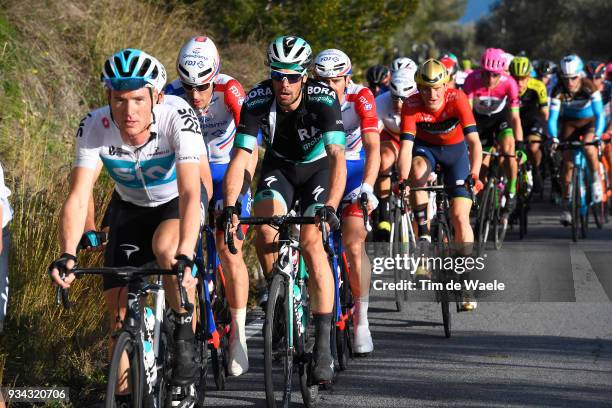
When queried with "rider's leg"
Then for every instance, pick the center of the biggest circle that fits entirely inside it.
(388, 156)
(592, 155)
(506, 144)
(422, 166)
(534, 153)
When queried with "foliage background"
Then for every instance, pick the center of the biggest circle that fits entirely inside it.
(50, 54)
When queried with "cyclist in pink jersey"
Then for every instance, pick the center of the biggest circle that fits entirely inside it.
(495, 101)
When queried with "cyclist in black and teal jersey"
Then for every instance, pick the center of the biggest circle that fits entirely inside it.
(302, 128)
(533, 100)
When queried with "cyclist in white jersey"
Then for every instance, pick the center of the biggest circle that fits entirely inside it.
(152, 155)
(388, 109)
(362, 153)
(217, 99)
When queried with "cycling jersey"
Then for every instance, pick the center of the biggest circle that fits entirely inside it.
(532, 100)
(489, 101)
(143, 175)
(359, 117)
(299, 136)
(606, 97)
(218, 121)
(584, 104)
(446, 126)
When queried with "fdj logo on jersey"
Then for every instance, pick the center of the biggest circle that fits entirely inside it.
(149, 173)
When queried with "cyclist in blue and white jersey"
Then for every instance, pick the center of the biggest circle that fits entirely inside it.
(152, 152)
(217, 99)
(333, 67)
(576, 110)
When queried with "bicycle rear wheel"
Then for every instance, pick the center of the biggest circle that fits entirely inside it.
(484, 217)
(278, 359)
(125, 344)
(201, 341)
(500, 221)
(397, 244)
(575, 197)
(444, 241)
(304, 343)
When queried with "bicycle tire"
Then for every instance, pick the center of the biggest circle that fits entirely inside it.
(276, 303)
(126, 344)
(201, 341)
(218, 357)
(397, 244)
(484, 217)
(575, 204)
(500, 220)
(446, 314)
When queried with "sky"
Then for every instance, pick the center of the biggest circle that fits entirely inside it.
(475, 9)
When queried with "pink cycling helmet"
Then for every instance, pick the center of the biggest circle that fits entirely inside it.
(609, 70)
(493, 60)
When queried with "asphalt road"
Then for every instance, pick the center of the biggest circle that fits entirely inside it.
(546, 341)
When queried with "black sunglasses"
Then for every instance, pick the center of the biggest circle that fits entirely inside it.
(199, 88)
(281, 76)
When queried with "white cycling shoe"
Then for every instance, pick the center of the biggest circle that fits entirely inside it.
(597, 192)
(566, 218)
(238, 358)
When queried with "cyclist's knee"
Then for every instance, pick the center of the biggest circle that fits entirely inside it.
(420, 171)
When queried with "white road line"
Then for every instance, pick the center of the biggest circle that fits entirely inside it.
(587, 287)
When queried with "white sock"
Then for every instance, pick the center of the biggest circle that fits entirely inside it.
(361, 311)
(362, 338)
(238, 353)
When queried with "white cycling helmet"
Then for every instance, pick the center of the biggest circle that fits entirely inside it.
(402, 83)
(403, 62)
(160, 82)
(507, 60)
(332, 63)
(571, 65)
(198, 61)
(289, 52)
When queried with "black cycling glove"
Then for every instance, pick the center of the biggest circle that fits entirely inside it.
(328, 214)
(60, 263)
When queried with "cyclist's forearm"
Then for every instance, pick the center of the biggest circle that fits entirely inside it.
(517, 129)
(337, 174)
(72, 223)
(205, 176)
(544, 113)
(189, 211)
(475, 152)
(234, 177)
(404, 162)
(90, 221)
(371, 145)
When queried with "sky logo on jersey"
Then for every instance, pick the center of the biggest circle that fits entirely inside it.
(150, 173)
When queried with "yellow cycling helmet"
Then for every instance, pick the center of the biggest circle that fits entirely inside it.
(520, 67)
(431, 73)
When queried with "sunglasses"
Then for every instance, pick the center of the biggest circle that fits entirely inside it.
(396, 98)
(492, 74)
(572, 78)
(281, 76)
(199, 88)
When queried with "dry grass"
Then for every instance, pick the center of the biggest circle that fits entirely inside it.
(50, 54)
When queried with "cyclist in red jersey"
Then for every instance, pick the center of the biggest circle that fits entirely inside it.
(436, 124)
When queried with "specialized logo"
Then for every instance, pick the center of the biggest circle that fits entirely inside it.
(317, 191)
(130, 249)
(270, 180)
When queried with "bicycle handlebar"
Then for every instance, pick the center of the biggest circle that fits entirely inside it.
(363, 203)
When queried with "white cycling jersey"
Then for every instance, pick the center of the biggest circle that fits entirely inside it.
(143, 175)
(388, 120)
(218, 122)
(359, 117)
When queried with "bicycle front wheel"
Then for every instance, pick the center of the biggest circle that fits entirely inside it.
(278, 359)
(125, 346)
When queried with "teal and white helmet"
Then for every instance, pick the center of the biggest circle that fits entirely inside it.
(332, 63)
(289, 52)
(130, 69)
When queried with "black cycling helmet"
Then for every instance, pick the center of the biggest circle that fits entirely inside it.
(545, 67)
(376, 74)
(596, 69)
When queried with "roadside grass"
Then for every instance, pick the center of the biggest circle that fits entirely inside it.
(50, 54)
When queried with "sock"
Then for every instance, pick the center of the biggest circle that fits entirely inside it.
(512, 186)
(239, 358)
(322, 324)
(420, 215)
(183, 329)
(361, 311)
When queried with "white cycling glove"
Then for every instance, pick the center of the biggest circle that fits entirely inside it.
(369, 190)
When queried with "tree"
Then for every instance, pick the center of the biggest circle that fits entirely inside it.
(549, 28)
